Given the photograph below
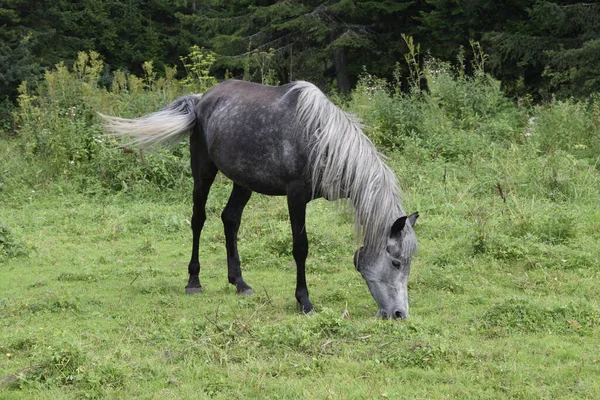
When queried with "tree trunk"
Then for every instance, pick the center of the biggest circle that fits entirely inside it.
(340, 64)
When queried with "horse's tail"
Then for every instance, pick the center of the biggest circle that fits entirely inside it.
(169, 125)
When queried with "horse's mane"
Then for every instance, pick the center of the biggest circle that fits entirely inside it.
(344, 163)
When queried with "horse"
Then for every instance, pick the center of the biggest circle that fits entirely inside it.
(292, 141)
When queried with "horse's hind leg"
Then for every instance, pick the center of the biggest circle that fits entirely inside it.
(204, 175)
(231, 216)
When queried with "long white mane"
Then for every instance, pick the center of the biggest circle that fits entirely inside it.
(344, 163)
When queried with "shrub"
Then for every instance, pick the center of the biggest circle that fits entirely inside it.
(459, 116)
(57, 121)
(568, 125)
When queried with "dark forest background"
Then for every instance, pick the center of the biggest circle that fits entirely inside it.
(536, 47)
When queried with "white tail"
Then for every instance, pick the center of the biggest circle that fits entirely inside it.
(169, 125)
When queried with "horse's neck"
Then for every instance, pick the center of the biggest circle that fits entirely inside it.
(376, 208)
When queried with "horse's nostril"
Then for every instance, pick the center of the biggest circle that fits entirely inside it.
(399, 315)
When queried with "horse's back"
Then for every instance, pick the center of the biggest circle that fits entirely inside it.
(250, 131)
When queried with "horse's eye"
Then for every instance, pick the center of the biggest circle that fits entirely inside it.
(396, 264)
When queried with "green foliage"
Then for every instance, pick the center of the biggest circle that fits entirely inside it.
(17, 63)
(126, 34)
(523, 316)
(536, 47)
(412, 60)
(338, 37)
(569, 126)
(66, 367)
(552, 48)
(58, 124)
(456, 117)
(10, 246)
(197, 65)
(263, 62)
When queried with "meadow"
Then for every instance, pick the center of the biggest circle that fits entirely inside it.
(95, 240)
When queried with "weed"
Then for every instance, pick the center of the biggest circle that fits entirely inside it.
(568, 126)
(10, 245)
(67, 367)
(77, 277)
(442, 282)
(522, 316)
(55, 368)
(419, 355)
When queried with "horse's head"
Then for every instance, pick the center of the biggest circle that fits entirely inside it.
(386, 270)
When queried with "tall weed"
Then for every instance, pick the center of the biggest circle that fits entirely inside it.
(59, 128)
(568, 125)
(457, 117)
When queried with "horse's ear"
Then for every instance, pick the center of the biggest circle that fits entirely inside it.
(401, 223)
(412, 218)
(397, 227)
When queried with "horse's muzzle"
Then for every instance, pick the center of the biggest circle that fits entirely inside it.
(397, 314)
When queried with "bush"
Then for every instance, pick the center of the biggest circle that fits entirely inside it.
(568, 125)
(58, 125)
(459, 116)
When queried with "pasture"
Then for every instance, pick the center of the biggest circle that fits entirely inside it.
(97, 309)
(503, 291)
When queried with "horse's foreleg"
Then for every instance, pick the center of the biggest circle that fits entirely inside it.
(203, 179)
(297, 208)
(231, 216)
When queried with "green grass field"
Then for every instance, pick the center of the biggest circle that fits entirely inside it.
(504, 298)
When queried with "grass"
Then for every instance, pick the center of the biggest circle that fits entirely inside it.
(503, 301)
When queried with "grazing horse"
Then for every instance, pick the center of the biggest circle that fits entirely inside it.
(289, 141)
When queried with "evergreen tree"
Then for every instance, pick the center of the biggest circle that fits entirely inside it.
(555, 49)
(313, 40)
(534, 46)
(447, 25)
(16, 60)
(39, 34)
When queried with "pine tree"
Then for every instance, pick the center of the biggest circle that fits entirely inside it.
(17, 62)
(313, 40)
(554, 50)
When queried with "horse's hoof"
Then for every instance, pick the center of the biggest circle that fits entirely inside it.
(246, 292)
(193, 290)
(305, 308)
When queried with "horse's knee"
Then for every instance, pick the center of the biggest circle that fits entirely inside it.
(198, 219)
(300, 252)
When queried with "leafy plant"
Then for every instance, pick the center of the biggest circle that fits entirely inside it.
(197, 65)
(10, 246)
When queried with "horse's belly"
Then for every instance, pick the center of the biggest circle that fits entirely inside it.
(256, 180)
(268, 167)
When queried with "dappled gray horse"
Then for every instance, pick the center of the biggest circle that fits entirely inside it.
(287, 141)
